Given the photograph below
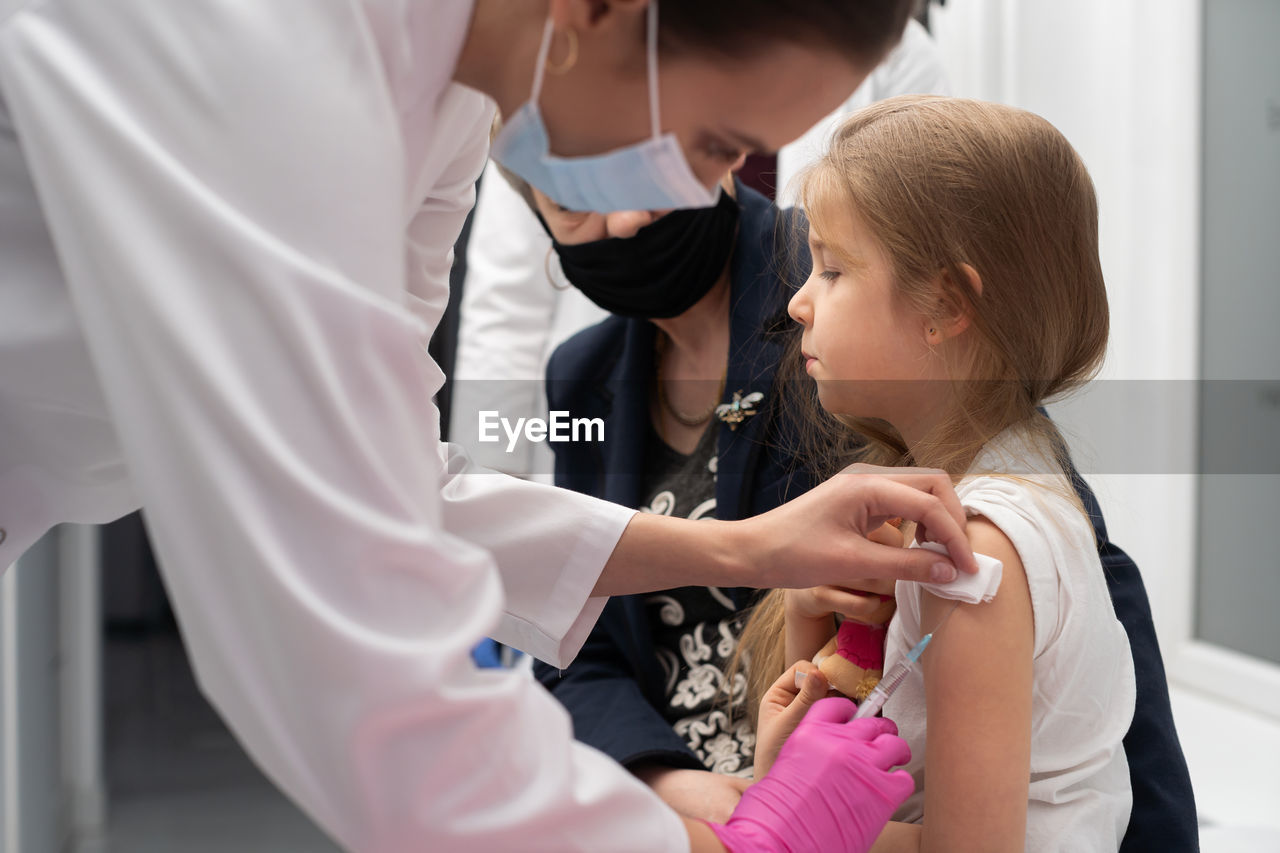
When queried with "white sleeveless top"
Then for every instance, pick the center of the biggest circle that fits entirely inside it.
(1083, 689)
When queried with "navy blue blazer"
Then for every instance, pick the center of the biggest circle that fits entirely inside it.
(615, 686)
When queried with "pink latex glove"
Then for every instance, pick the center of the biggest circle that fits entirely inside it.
(830, 790)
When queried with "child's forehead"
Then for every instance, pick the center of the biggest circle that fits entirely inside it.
(836, 227)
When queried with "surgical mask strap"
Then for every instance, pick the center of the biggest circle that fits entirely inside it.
(651, 60)
(541, 67)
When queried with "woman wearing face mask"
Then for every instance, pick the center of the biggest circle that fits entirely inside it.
(227, 230)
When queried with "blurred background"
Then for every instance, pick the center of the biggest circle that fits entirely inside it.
(107, 745)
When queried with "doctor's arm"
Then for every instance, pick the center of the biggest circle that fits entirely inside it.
(820, 537)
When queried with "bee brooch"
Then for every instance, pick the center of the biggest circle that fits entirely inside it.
(740, 409)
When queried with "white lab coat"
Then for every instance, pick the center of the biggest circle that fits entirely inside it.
(225, 234)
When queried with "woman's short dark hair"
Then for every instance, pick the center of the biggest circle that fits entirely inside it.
(863, 30)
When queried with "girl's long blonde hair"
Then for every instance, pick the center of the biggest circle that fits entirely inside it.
(944, 184)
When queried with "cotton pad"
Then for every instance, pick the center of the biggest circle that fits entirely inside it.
(971, 589)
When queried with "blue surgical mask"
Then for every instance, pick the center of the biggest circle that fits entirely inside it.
(649, 175)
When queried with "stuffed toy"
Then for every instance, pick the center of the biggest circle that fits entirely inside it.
(853, 660)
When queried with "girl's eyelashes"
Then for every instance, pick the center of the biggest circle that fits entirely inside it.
(829, 275)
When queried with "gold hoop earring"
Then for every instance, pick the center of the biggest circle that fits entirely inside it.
(559, 69)
(551, 279)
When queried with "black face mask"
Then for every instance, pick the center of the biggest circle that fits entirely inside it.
(661, 271)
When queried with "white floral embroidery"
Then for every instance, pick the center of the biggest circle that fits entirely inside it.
(738, 688)
(724, 747)
(670, 668)
(724, 648)
(693, 648)
(672, 612)
(704, 510)
(662, 504)
(725, 601)
(701, 684)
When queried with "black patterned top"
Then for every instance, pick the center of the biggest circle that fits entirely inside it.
(695, 629)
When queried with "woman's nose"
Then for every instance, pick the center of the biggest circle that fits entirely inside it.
(625, 223)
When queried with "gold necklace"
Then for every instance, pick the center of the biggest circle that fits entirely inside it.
(660, 345)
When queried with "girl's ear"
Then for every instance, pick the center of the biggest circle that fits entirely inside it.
(957, 290)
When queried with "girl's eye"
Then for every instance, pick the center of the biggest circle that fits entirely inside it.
(829, 275)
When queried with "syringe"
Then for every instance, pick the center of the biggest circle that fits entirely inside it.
(890, 681)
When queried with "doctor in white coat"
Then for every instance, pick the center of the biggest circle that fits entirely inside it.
(225, 233)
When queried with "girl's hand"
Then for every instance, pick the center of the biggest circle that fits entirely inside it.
(781, 710)
(698, 794)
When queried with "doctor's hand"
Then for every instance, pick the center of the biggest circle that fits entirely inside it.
(827, 536)
(831, 788)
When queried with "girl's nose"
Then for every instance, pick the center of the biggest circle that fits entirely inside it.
(799, 307)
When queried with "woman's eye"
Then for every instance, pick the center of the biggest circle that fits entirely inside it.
(722, 153)
(829, 275)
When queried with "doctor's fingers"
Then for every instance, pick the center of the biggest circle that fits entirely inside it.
(877, 740)
(887, 750)
(908, 564)
(932, 481)
(928, 501)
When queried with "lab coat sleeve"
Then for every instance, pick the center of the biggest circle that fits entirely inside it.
(549, 618)
(225, 186)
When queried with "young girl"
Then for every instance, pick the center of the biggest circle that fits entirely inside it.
(956, 288)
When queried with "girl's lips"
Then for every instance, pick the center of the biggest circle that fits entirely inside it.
(808, 360)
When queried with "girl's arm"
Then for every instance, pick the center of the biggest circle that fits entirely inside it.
(977, 676)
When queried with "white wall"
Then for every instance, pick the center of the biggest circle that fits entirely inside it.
(1122, 79)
